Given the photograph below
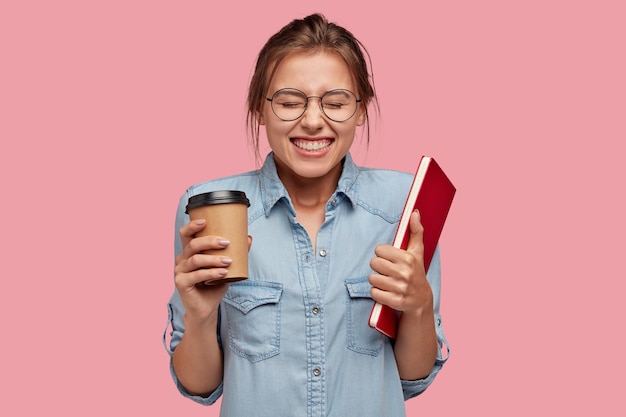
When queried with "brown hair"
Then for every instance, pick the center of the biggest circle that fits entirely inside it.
(311, 34)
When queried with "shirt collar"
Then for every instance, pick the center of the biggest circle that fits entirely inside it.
(273, 190)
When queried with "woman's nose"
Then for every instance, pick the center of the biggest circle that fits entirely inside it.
(313, 116)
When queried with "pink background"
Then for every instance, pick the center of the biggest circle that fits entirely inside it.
(110, 109)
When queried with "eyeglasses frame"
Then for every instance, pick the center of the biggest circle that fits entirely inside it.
(306, 105)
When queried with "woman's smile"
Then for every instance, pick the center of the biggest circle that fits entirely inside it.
(312, 145)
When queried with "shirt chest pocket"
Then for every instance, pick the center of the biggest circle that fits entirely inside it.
(361, 337)
(252, 313)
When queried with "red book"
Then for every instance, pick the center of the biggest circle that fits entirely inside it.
(431, 193)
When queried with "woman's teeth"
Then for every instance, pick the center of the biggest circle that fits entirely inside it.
(312, 145)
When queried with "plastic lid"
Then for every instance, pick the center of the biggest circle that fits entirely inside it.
(217, 197)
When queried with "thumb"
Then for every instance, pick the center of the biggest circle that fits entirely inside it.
(416, 236)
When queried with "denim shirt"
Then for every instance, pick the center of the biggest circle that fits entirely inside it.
(295, 335)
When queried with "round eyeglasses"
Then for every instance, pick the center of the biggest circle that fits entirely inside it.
(289, 104)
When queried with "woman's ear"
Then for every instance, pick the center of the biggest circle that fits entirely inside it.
(260, 118)
(361, 116)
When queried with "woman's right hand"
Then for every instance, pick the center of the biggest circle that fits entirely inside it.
(194, 268)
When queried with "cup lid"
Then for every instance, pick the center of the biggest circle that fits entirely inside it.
(217, 197)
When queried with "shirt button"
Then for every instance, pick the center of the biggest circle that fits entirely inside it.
(317, 371)
(323, 253)
(334, 202)
(315, 310)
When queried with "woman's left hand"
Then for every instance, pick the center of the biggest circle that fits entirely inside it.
(400, 280)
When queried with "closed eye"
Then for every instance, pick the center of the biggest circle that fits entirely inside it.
(291, 105)
(333, 105)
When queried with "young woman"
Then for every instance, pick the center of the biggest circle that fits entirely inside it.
(293, 339)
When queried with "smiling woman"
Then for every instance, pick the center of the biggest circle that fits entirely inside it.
(310, 146)
(297, 328)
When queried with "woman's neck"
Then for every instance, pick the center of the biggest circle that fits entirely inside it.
(309, 193)
(309, 196)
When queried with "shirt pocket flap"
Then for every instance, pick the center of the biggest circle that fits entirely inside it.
(249, 295)
(359, 287)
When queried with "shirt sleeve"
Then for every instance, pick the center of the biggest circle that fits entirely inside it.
(175, 323)
(414, 388)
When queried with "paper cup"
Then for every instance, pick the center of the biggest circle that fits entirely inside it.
(226, 215)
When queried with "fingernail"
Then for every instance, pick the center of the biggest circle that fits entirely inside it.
(226, 260)
(224, 242)
(222, 271)
(200, 222)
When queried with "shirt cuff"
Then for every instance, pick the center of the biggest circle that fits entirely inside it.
(414, 388)
(210, 400)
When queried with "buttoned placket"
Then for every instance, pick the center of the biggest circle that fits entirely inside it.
(312, 297)
(314, 272)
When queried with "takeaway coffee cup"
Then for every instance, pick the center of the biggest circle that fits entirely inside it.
(226, 215)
